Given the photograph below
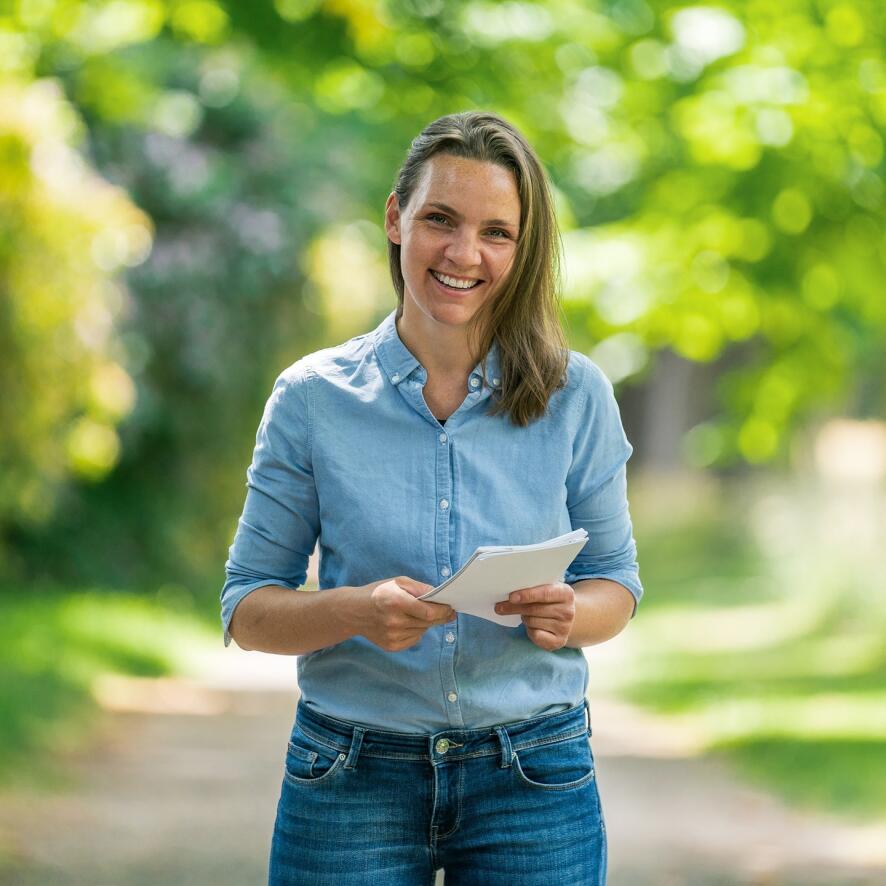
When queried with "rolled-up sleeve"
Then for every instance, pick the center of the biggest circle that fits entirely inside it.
(279, 526)
(597, 489)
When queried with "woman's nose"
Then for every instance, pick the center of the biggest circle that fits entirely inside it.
(463, 250)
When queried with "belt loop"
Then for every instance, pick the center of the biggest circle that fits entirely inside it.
(588, 712)
(507, 752)
(356, 744)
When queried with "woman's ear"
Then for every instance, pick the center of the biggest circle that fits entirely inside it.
(392, 218)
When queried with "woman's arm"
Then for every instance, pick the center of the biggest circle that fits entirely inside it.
(603, 609)
(286, 622)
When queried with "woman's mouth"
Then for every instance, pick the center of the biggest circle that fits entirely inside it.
(454, 285)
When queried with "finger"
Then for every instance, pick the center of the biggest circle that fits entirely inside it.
(426, 612)
(413, 587)
(551, 610)
(435, 613)
(550, 593)
(555, 625)
(545, 639)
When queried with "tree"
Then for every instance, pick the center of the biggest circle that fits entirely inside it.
(718, 172)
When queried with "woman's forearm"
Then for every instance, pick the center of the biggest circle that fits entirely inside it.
(602, 609)
(286, 622)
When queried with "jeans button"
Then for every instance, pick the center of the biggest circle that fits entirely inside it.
(442, 745)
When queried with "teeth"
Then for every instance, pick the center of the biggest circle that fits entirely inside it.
(455, 284)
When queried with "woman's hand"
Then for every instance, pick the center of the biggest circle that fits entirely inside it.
(548, 612)
(393, 619)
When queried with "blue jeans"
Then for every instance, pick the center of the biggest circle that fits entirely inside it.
(514, 804)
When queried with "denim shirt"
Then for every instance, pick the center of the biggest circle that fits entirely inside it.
(348, 454)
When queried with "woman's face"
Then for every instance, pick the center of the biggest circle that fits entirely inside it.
(459, 228)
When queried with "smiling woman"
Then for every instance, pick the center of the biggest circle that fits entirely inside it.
(453, 257)
(426, 738)
(472, 211)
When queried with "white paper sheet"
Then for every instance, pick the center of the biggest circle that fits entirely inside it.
(492, 572)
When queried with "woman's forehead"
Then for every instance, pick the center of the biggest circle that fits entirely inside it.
(471, 187)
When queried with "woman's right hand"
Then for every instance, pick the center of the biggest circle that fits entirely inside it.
(394, 618)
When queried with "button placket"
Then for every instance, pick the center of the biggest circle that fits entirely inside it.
(444, 445)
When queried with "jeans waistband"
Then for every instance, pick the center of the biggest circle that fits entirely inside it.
(355, 739)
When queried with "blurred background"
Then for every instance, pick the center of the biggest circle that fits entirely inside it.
(191, 198)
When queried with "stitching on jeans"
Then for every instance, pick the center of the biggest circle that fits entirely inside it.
(461, 786)
(552, 739)
(489, 752)
(332, 746)
(395, 755)
(568, 786)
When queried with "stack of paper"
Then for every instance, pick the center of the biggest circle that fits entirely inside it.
(491, 573)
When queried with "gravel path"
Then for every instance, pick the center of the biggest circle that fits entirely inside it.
(183, 784)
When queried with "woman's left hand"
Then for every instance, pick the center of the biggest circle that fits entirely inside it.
(548, 612)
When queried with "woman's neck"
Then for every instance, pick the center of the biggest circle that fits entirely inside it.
(446, 356)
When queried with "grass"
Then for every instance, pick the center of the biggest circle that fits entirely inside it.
(54, 643)
(770, 645)
(838, 775)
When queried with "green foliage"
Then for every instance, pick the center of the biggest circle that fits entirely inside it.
(845, 776)
(54, 644)
(718, 172)
(63, 231)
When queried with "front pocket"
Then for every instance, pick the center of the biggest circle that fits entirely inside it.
(309, 765)
(557, 766)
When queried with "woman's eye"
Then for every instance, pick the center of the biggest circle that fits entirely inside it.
(499, 233)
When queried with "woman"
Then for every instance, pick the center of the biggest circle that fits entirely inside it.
(425, 739)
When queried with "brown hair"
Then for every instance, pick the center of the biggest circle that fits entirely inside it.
(523, 317)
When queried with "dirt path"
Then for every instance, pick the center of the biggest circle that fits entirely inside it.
(182, 789)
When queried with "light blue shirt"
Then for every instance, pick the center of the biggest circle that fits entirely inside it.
(348, 453)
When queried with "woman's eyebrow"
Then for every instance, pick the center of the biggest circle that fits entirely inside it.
(455, 214)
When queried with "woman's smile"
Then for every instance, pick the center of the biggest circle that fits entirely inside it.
(455, 291)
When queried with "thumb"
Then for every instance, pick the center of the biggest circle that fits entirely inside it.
(416, 588)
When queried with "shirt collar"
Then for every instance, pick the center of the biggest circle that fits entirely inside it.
(398, 362)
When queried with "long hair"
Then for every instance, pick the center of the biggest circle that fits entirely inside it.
(523, 317)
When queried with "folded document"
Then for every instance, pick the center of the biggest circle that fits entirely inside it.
(491, 573)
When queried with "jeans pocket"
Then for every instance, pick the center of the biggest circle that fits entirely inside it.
(558, 765)
(309, 761)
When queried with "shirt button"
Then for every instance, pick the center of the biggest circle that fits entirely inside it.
(450, 637)
(452, 696)
(496, 381)
(444, 570)
(442, 745)
(475, 382)
(443, 438)
(444, 504)
(395, 377)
